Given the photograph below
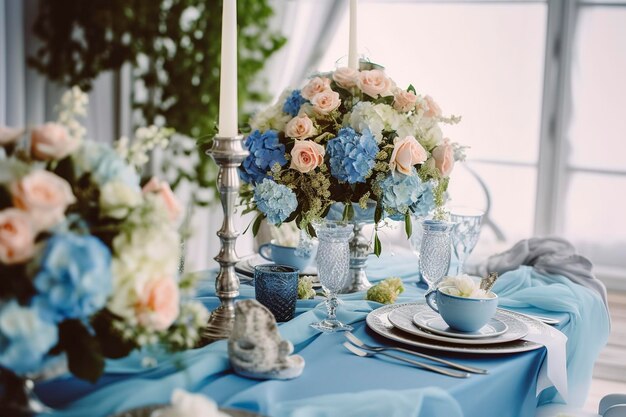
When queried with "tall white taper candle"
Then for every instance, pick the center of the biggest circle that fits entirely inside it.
(228, 74)
(353, 57)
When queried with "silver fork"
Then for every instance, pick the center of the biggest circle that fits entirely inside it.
(444, 371)
(355, 340)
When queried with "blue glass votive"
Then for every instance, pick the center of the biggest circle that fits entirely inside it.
(276, 287)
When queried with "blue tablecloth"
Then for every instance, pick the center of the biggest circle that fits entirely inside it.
(337, 383)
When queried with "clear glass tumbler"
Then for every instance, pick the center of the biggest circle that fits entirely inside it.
(465, 234)
(333, 265)
(435, 251)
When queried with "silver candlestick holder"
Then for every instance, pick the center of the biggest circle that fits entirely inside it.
(228, 153)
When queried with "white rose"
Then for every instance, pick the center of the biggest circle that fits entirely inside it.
(117, 199)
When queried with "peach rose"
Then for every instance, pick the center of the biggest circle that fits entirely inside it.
(374, 83)
(306, 155)
(325, 102)
(300, 127)
(315, 86)
(51, 141)
(158, 303)
(44, 195)
(346, 77)
(404, 100)
(17, 236)
(433, 109)
(406, 153)
(163, 190)
(9, 135)
(444, 158)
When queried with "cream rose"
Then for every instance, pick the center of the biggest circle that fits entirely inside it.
(315, 86)
(157, 303)
(163, 190)
(444, 158)
(432, 108)
(374, 83)
(300, 127)
(306, 155)
(404, 100)
(406, 152)
(52, 141)
(44, 195)
(325, 102)
(17, 236)
(9, 135)
(346, 77)
(117, 199)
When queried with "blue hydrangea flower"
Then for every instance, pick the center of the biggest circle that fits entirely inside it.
(265, 151)
(24, 337)
(293, 103)
(74, 278)
(105, 164)
(352, 155)
(276, 201)
(406, 192)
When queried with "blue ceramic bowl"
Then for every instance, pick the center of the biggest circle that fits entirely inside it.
(286, 255)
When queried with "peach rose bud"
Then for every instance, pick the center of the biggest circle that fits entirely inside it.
(9, 135)
(52, 142)
(158, 303)
(315, 86)
(407, 152)
(163, 190)
(433, 109)
(374, 83)
(444, 158)
(300, 127)
(17, 236)
(306, 155)
(45, 196)
(346, 77)
(325, 102)
(404, 100)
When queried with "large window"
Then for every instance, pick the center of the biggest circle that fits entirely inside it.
(499, 65)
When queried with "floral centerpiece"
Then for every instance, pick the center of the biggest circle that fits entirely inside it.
(88, 260)
(348, 136)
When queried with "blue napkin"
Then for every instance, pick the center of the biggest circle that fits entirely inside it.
(587, 329)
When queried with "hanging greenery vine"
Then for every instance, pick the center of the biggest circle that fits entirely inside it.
(173, 47)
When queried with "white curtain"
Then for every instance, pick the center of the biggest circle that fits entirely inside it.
(27, 98)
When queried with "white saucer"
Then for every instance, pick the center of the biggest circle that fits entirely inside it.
(437, 325)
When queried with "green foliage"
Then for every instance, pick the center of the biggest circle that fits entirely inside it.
(173, 47)
(84, 357)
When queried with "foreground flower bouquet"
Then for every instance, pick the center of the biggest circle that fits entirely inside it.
(88, 260)
(348, 137)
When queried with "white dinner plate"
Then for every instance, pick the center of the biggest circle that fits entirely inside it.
(378, 321)
(437, 325)
(402, 318)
